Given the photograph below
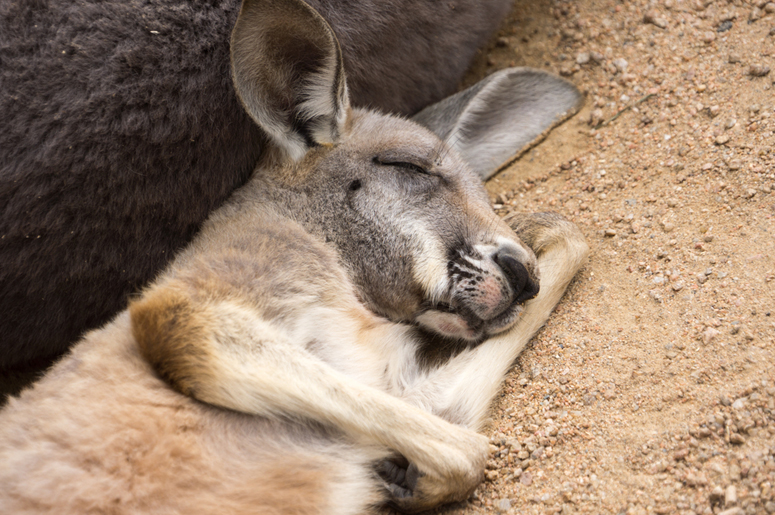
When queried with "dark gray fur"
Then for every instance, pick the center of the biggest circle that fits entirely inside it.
(120, 131)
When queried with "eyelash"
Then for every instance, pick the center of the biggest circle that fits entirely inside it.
(402, 164)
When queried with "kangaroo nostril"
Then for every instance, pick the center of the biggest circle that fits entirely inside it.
(525, 288)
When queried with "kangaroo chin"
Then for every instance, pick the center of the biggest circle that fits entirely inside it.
(459, 322)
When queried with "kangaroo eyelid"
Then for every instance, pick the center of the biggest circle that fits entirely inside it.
(403, 164)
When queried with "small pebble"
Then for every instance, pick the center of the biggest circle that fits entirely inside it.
(503, 505)
(621, 64)
(595, 117)
(730, 123)
(758, 70)
(722, 140)
(730, 496)
(708, 37)
(582, 58)
(709, 335)
(653, 18)
(734, 473)
(716, 495)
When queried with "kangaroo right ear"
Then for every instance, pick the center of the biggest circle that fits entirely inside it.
(491, 122)
(287, 69)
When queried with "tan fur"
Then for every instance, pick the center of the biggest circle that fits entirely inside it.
(101, 434)
(277, 366)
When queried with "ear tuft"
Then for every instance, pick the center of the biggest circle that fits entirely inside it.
(288, 73)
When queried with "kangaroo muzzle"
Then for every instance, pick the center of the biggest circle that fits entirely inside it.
(488, 285)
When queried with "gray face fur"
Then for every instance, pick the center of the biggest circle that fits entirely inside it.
(412, 225)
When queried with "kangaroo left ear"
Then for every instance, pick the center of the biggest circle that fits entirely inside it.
(287, 70)
(493, 120)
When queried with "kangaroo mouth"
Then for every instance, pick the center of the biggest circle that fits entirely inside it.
(461, 323)
(485, 295)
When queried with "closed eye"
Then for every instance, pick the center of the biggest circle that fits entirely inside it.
(412, 167)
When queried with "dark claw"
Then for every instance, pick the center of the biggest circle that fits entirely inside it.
(412, 475)
(401, 479)
(392, 473)
(399, 493)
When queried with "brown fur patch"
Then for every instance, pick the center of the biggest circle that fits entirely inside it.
(172, 334)
(290, 486)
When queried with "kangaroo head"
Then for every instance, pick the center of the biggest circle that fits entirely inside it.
(408, 217)
(413, 227)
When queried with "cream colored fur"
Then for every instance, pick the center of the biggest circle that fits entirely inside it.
(102, 433)
(280, 365)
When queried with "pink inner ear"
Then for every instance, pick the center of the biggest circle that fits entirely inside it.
(446, 324)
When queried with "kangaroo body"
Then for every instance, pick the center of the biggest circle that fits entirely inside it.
(332, 338)
(120, 132)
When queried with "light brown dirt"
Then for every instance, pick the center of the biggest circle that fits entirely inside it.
(652, 387)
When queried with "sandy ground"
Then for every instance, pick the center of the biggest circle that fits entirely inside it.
(652, 388)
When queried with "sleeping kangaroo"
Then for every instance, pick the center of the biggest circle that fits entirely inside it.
(332, 338)
(120, 132)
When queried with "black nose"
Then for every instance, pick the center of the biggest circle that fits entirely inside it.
(525, 288)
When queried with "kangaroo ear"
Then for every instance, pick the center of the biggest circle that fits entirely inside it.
(493, 120)
(287, 70)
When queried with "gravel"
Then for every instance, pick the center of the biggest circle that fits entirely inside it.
(651, 389)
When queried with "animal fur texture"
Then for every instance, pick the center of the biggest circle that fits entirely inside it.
(329, 342)
(120, 132)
